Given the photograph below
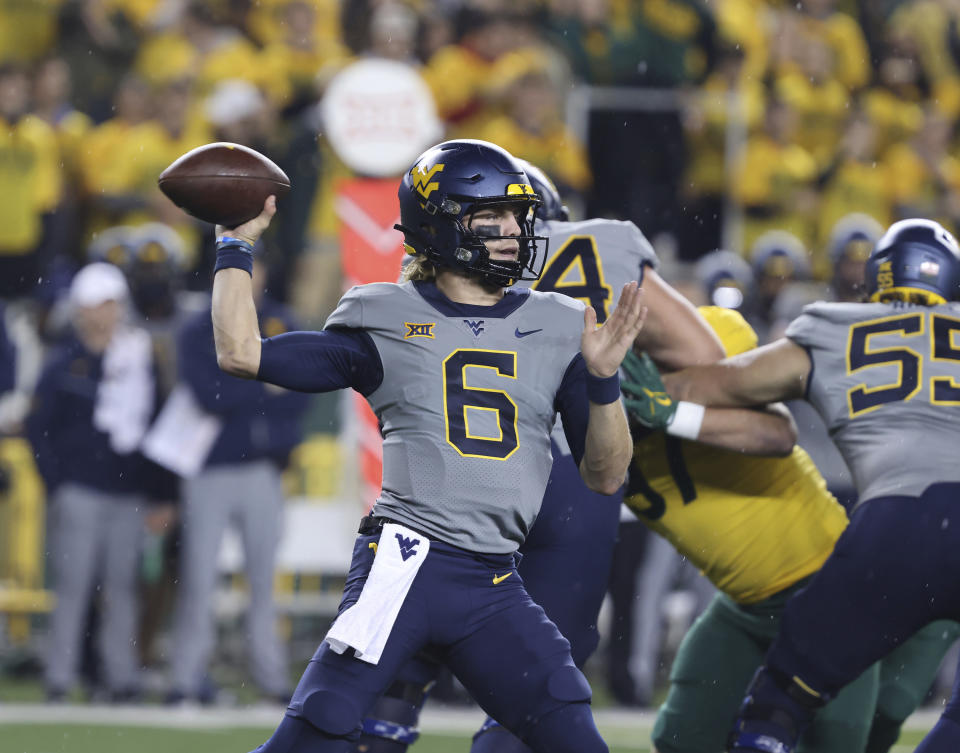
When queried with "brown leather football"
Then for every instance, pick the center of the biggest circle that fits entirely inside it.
(223, 183)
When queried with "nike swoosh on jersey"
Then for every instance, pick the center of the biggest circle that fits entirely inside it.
(497, 579)
(518, 333)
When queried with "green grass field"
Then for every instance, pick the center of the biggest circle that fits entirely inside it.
(76, 738)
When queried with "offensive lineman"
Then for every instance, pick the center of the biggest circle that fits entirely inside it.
(466, 418)
(885, 376)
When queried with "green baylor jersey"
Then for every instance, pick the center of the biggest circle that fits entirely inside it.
(466, 406)
(886, 380)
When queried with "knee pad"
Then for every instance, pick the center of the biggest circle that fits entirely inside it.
(568, 729)
(774, 713)
(330, 712)
(296, 735)
(568, 684)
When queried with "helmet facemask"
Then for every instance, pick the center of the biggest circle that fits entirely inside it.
(470, 254)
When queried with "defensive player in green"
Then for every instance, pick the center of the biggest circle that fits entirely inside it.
(757, 527)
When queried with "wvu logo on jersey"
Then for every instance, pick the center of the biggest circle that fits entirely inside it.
(475, 325)
(419, 330)
(423, 179)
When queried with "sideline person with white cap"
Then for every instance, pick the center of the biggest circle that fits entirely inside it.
(95, 399)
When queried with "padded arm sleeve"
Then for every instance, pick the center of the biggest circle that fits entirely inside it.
(322, 361)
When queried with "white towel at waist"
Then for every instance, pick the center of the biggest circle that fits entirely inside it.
(366, 625)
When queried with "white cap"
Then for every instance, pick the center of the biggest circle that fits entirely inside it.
(97, 283)
(233, 100)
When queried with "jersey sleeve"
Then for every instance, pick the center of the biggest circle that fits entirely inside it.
(638, 241)
(574, 407)
(322, 361)
(349, 312)
(808, 330)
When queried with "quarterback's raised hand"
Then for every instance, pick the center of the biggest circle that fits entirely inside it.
(251, 230)
(644, 395)
(604, 347)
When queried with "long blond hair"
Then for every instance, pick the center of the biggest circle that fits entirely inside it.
(418, 268)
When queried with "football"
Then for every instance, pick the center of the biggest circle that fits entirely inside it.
(222, 183)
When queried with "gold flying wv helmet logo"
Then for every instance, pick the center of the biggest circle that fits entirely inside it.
(423, 179)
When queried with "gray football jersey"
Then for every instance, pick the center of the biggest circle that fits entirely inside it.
(886, 380)
(592, 260)
(466, 407)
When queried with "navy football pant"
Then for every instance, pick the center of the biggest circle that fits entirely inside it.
(494, 638)
(945, 736)
(893, 570)
(565, 567)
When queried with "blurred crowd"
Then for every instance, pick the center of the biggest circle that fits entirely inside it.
(763, 145)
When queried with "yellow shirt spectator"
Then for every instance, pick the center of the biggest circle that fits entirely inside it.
(822, 108)
(842, 34)
(28, 29)
(774, 180)
(919, 187)
(267, 20)
(706, 121)
(554, 149)
(458, 77)
(30, 182)
(745, 23)
(895, 118)
(171, 57)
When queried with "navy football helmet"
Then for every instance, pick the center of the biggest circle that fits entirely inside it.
(551, 206)
(916, 261)
(454, 179)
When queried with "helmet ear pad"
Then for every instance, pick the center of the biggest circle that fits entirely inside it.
(447, 184)
(915, 259)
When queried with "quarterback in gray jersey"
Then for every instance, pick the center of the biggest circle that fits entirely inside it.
(885, 376)
(568, 552)
(466, 377)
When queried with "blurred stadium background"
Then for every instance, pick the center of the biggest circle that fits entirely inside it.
(759, 144)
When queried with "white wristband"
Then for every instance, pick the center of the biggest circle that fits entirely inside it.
(687, 420)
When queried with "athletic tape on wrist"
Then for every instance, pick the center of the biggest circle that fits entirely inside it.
(603, 390)
(687, 420)
(233, 253)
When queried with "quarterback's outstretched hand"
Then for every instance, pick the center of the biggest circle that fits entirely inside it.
(646, 399)
(604, 348)
(251, 230)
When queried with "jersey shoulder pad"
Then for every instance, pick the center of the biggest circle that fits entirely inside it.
(626, 233)
(735, 333)
(358, 303)
(619, 234)
(818, 323)
(543, 298)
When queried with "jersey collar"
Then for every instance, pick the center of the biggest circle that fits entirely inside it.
(511, 301)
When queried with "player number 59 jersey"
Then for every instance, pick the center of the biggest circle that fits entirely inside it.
(886, 380)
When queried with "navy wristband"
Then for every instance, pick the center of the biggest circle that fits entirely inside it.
(603, 390)
(233, 253)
